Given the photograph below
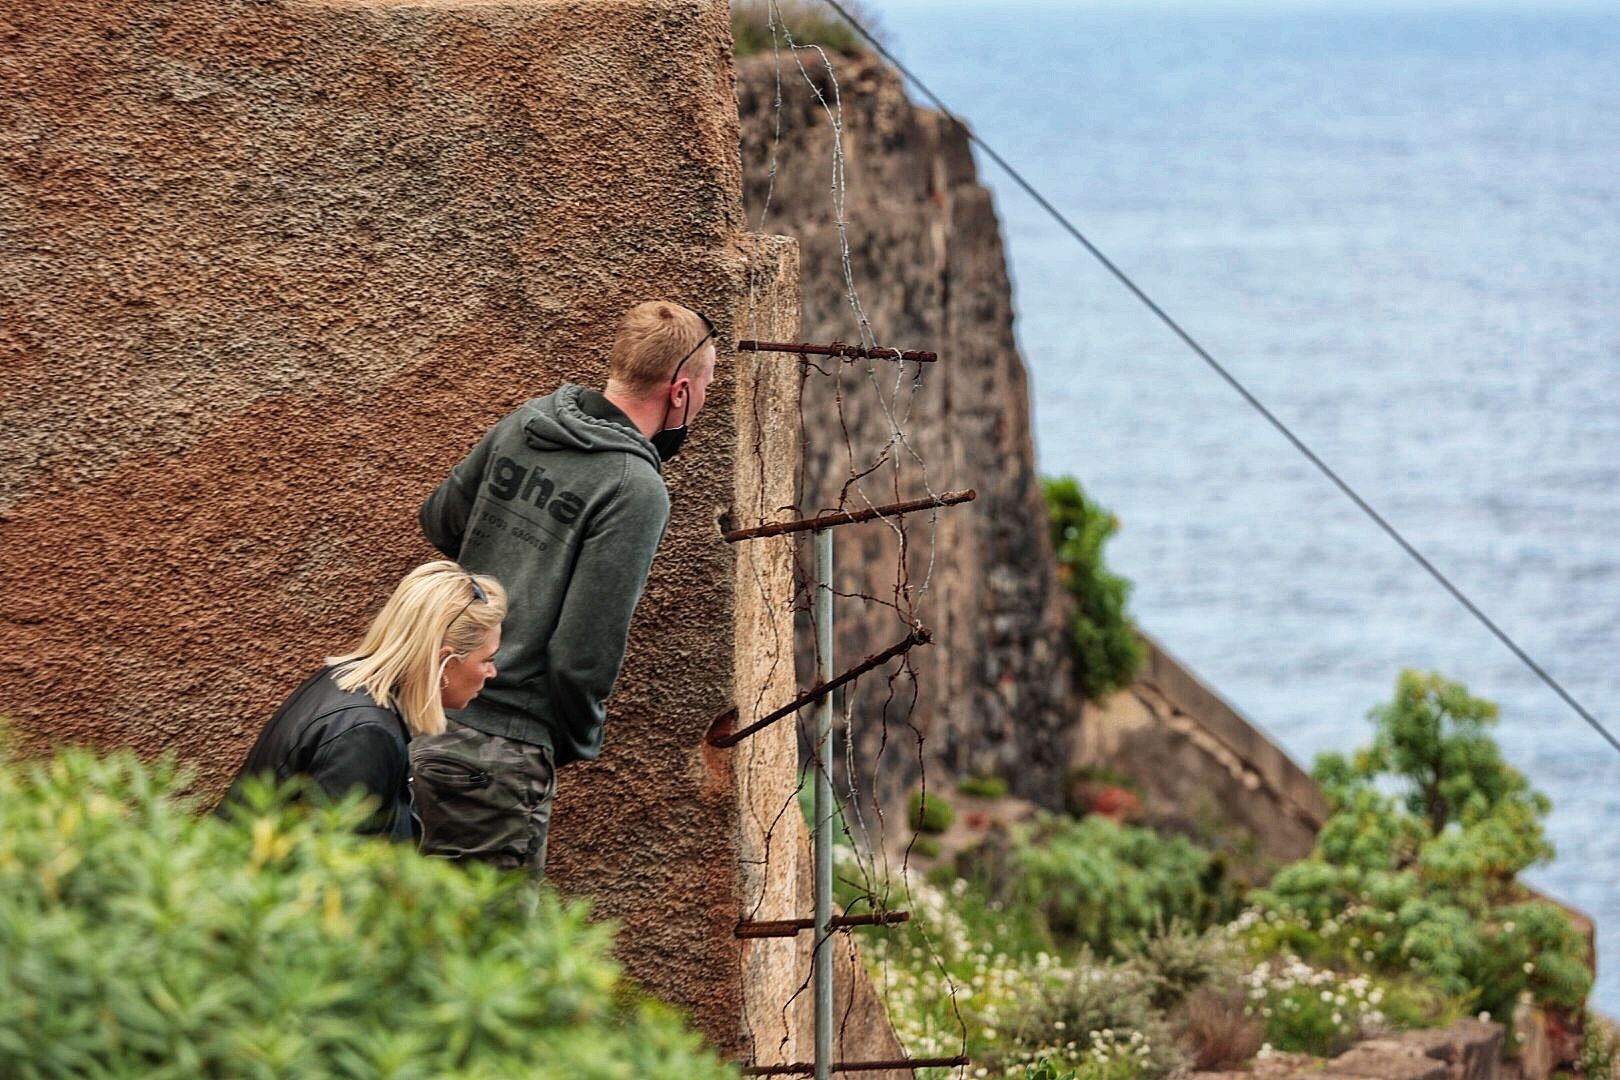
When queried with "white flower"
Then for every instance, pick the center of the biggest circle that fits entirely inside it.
(1529, 967)
(1484, 1016)
(1327, 995)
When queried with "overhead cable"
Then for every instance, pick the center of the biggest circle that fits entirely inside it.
(1231, 380)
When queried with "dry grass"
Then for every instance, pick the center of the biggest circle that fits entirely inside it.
(1219, 1035)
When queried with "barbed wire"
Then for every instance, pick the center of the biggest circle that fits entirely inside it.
(861, 399)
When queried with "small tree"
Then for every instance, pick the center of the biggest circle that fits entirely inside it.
(1420, 858)
(1107, 650)
(1480, 819)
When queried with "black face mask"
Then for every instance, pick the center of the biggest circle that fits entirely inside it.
(668, 440)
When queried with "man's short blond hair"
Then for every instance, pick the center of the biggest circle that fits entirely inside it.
(650, 340)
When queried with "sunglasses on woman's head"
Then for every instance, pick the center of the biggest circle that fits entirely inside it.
(478, 596)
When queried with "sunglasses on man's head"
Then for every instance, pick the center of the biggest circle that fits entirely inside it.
(712, 331)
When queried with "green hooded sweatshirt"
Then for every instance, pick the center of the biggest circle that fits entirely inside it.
(563, 503)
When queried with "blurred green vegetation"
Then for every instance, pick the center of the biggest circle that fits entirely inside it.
(140, 940)
(1107, 651)
(756, 23)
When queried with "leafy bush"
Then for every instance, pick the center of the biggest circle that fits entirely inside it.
(930, 813)
(1106, 1013)
(1600, 1050)
(1107, 885)
(1311, 1010)
(1106, 648)
(139, 940)
(808, 22)
(1417, 868)
(1180, 961)
(926, 847)
(983, 787)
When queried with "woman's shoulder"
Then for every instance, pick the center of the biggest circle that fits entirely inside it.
(352, 707)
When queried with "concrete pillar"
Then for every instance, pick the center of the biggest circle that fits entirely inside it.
(267, 270)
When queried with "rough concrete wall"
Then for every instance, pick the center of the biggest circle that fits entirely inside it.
(1205, 770)
(774, 854)
(994, 689)
(267, 270)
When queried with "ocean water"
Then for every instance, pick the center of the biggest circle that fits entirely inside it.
(1401, 227)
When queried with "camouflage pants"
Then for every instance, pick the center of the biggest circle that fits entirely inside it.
(483, 797)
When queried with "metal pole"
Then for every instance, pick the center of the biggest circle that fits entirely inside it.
(822, 955)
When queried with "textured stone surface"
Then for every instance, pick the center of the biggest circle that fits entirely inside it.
(1467, 1050)
(994, 693)
(1471, 1049)
(991, 694)
(1379, 1059)
(267, 270)
(1204, 769)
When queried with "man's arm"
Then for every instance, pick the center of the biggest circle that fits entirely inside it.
(587, 648)
(444, 513)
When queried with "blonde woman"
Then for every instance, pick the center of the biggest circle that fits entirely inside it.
(429, 649)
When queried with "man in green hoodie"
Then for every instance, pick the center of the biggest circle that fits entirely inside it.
(563, 502)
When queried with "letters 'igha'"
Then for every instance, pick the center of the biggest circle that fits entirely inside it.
(509, 480)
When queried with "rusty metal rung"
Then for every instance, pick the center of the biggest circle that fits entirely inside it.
(919, 636)
(839, 348)
(804, 1068)
(793, 927)
(850, 517)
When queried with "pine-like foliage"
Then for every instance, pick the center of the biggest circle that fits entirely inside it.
(138, 940)
(1109, 886)
(1107, 651)
(1420, 859)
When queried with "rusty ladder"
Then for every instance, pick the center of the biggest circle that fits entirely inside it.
(823, 923)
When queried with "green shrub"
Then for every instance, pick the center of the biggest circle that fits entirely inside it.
(1180, 961)
(137, 940)
(1107, 650)
(930, 813)
(1100, 1014)
(983, 787)
(1416, 870)
(808, 22)
(1107, 885)
(1600, 1049)
(925, 847)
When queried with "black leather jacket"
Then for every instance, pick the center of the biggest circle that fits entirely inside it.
(342, 740)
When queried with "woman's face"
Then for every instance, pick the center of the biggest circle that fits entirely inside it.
(465, 676)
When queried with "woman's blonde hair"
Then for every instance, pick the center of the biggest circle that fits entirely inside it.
(397, 662)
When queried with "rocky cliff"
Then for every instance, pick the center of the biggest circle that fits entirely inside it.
(992, 693)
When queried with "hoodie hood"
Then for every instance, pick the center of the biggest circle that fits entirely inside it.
(556, 422)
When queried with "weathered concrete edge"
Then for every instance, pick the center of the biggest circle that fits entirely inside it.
(1252, 746)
